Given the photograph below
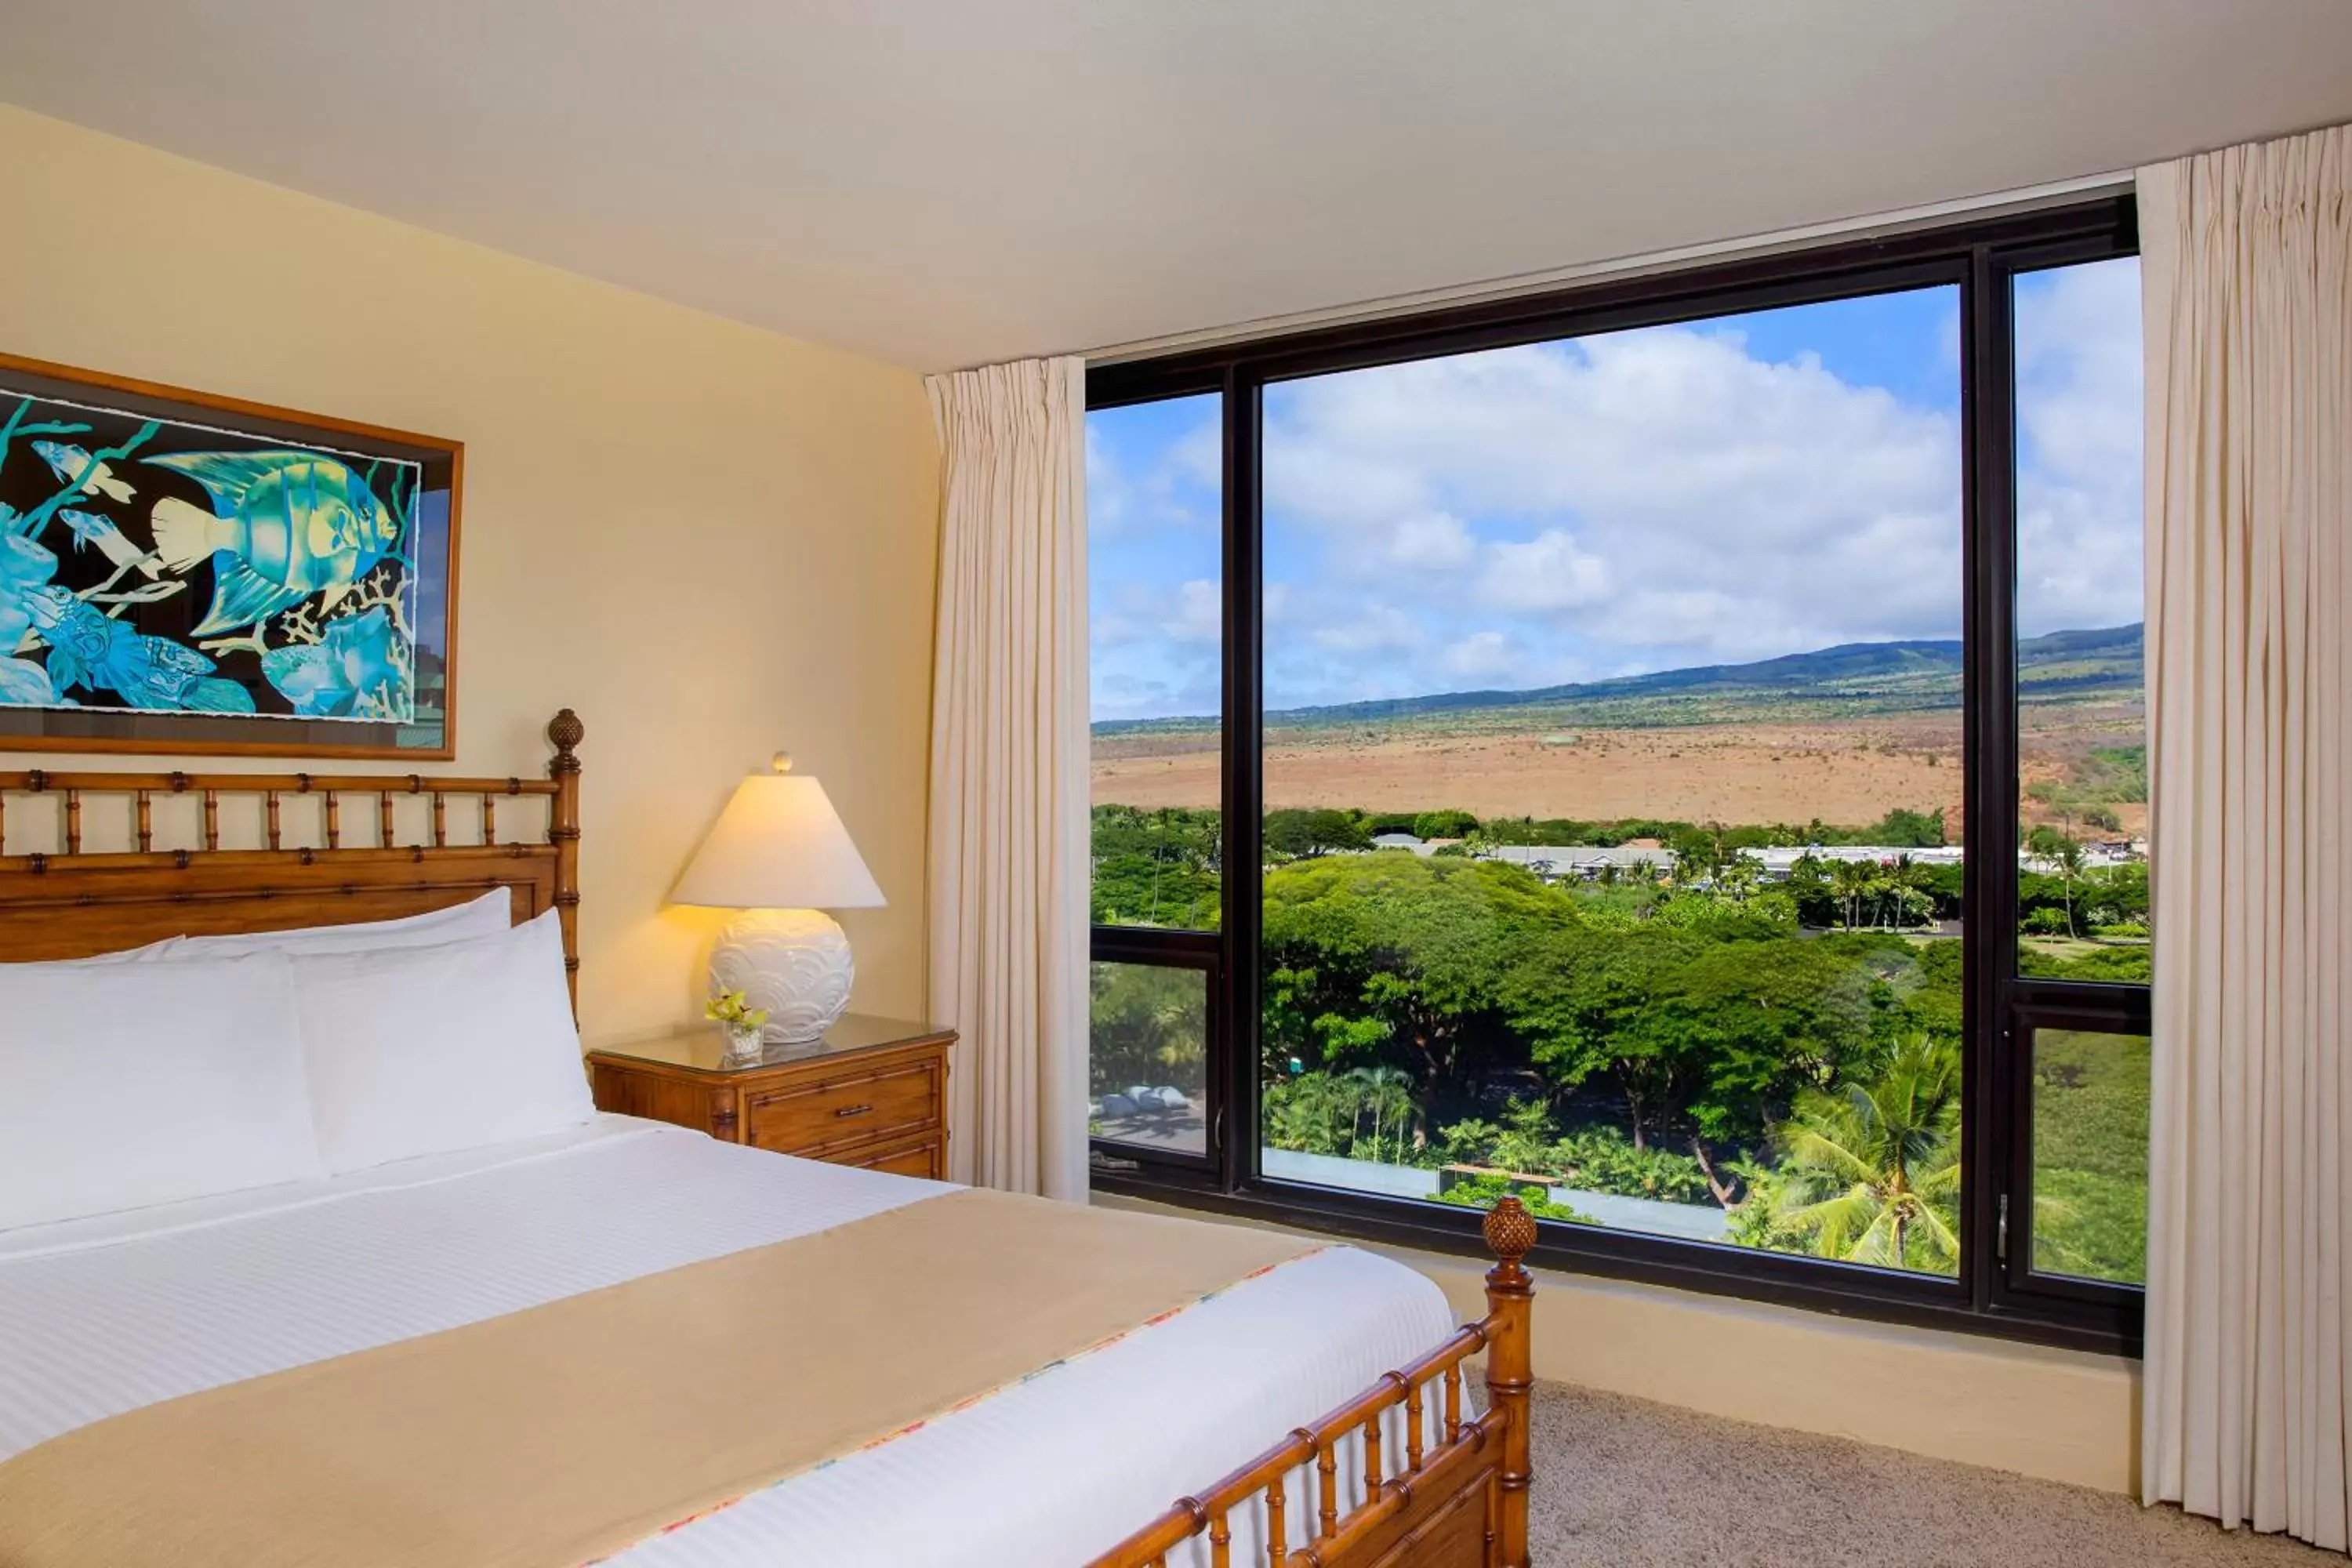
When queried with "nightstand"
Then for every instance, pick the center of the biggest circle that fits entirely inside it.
(872, 1093)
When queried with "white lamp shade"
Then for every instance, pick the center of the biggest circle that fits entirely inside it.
(778, 846)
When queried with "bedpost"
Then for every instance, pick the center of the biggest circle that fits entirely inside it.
(1510, 1298)
(563, 831)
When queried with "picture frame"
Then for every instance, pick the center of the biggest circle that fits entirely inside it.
(186, 572)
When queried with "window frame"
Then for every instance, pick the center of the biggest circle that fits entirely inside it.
(1994, 1293)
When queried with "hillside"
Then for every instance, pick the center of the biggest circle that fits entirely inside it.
(1851, 680)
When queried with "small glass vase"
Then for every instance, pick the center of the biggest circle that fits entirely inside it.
(744, 1043)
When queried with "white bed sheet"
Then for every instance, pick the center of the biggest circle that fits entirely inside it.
(102, 1316)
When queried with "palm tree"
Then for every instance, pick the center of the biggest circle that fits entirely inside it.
(2068, 854)
(1383, 1090)
(1850, 880)
(1871, 1173)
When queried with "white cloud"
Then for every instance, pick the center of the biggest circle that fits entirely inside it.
(1135, 613)
(2080, 529)
(1370, 628)
(1633, 501)
(1548, 573)
(1650, 499)
(1484, 656)
(1173, 486)
(1200, 614)
(1429, 541)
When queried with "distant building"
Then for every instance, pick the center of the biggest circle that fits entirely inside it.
(1588, 861)
(1780, 861)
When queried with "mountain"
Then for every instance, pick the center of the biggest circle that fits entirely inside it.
(1849, 680)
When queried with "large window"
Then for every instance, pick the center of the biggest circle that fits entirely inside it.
(1676, 752)
(1614, 764)
(1155, 537)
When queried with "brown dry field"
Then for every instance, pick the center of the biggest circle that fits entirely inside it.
(1842, 773)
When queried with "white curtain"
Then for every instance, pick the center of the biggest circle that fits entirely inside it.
(1008, 842)
(2247, 274)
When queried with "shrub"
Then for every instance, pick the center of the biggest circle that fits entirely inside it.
(1480, 1193)
(1600, 1159)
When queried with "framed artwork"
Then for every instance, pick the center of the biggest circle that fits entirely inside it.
(184, 572)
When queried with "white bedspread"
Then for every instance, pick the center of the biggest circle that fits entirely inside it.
(103, 1316)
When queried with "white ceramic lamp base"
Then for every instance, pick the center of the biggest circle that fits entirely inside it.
(793, 962)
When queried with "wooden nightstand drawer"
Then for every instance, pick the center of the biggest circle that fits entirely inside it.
(872, 1093)
(883, 1102)
(919, 1156)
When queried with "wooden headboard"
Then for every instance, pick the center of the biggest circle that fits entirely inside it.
(110, 860)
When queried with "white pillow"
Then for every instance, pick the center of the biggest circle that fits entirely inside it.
(485, 916)
(127, 1085)
(436, 1049)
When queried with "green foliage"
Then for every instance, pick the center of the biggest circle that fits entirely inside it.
(1789, 1049)
(1358, 1115)
(1311, 1113)
(1296, 834)
(1480, 1193)
(1157, 867)
(2122, 963)
(1713, 1030)
(1870, 1172)
(1909, 829)
(1413, 946)
(1149, 1027)
(1599, 1159)
(2090, 1153)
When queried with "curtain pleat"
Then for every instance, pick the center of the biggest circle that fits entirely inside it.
(2247, 280)
(1008, 822)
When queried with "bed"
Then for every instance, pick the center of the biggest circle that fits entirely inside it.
(1317, 1410)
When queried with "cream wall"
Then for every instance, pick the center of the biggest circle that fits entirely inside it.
(709, 540)
(2062, 1416)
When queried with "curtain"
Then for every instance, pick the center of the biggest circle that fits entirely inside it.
(2247, 279)
(1009, 805)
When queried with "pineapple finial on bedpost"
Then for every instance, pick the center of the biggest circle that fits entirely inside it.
(1510, 1232)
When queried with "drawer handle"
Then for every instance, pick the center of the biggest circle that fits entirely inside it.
(853, 1111)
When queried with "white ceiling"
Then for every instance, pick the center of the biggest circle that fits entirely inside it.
(948, 182)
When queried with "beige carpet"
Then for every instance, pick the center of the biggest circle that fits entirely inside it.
(1623, 1483)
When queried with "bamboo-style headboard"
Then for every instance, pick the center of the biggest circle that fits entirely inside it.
(103, 861)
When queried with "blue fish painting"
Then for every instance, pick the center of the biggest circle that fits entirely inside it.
(73, 465)
(26, 567)
(284, 526)
(352, 670)
(167, 554)
(89, 529)
(92, 651)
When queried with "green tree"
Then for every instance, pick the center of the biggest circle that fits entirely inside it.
(1415, 945)
(1148, 1026)
(1870, 1172)
(1296, 834)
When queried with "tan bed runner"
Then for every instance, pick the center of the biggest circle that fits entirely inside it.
(563, 1433)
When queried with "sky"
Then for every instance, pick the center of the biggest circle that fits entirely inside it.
(1714, 492)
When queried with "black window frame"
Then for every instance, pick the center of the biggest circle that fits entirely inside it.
(1996, 1291)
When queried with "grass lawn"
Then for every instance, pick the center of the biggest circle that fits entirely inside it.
(2090, 1154)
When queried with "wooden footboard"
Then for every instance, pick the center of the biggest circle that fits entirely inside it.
(1457, 1497)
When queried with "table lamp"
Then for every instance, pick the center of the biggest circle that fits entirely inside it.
(780, 854)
